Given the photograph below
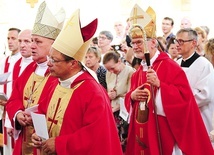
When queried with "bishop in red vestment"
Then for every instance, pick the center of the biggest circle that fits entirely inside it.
(18, 101)
(81, 118)
(164, 116)
(182, 123)
(30, 88)
(78, 111)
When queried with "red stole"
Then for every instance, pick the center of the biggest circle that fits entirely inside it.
(6, 68)
(16, 70)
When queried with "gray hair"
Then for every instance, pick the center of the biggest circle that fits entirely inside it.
(108, 34)
(191, 33)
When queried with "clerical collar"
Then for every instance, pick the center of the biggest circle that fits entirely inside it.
(41, 68)
(28, 59)
(143, 62)
(13, 54)
(188, 62)
(67, 83)
(14, 57)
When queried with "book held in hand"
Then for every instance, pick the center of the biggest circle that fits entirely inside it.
(4, 77)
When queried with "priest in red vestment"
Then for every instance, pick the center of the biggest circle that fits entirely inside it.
(7, 65)
(30, 88)
(78, 111)
(164, 117)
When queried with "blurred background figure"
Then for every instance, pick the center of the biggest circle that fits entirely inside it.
(92, 61)
(104, 42)
(207, 30)
(119, 35)
(172, 49)
(167, 26)
(185, 23)
(94, 42)
(162, 43)
(209, 50)
(118, 77)
(201, 40)
(136, 63)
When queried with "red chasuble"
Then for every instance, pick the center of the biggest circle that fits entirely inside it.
(81, 119)
(18, 99)
(182, 124)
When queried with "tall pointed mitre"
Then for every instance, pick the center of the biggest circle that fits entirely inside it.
(141, 22)
(73, 40)
(48, 23)
(150, 28)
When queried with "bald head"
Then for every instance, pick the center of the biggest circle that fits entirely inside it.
(24, 39)
(185, 23)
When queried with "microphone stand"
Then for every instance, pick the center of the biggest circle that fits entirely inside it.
(147, 57)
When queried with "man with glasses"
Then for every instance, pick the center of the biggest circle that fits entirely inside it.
(30, 88)
(199, 72)
(160, 101)
(78, 112)
(104, 42)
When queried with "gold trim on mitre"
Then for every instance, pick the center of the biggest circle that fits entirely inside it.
(150, 28)
(48, 24)
(139, 17)
(142, 21)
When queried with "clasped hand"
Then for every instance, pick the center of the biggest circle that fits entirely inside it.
(112, 94)
(48, 146)
(152, 78)
(24, 118)
(140, 94)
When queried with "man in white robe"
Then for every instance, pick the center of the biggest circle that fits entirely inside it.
(199, 72)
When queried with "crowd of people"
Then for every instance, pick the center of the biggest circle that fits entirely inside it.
(125, 93)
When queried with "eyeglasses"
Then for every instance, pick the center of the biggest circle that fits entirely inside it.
(181, 41)
(52, 61)
(138, 43)
(102, 38)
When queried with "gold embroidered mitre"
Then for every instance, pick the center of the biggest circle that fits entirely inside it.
(47, 23)
(151, 27)
(142, 21)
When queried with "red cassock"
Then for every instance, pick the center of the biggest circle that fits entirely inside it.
(15, 102)
(87, 123)
(182, 123)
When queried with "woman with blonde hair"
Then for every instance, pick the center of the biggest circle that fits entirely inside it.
(209, 50)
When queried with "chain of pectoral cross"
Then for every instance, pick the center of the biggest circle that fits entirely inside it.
(52, 120)
(32, 91)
